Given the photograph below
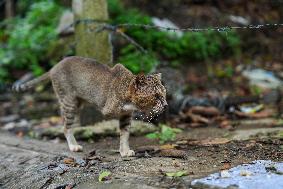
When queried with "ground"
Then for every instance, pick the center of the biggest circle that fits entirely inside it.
(30, 163)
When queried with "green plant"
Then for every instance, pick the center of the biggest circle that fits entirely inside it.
(137, 61)
(26, 40)
(256, 90)
(196, 46)
(29, 37)
(165, 134)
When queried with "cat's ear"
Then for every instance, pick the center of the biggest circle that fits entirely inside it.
(157, 76)
(140, 79)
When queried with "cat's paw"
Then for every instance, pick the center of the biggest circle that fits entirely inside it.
(76, 148)
(127, 153)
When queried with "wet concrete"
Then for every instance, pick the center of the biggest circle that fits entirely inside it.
(260, 174)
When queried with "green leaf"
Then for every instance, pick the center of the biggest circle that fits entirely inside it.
(177, 174)
(165, 134)
(103, 175)
(152, 136)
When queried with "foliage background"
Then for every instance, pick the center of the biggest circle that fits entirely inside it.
(27, 40)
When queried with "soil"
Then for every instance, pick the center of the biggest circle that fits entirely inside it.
(29, 163)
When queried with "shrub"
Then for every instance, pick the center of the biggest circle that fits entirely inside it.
(195, 46)
(165, 134)
(28, 38)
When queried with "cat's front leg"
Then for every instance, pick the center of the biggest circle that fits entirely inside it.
(124, 123)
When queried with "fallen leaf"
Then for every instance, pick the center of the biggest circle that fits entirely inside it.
(69, 161)
(207, 142)
(20, 134)
(257, 115)
(225, 124)
(245, 173)
(168, 146)
(55, 120)
(148, 148)
(197, 118)
(104, 176)
(180, 142)
(173, 153)
(206, 111)
(177, 174)
(194, 125)
(226, 166)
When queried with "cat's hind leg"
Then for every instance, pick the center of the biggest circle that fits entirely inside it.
(70, 113)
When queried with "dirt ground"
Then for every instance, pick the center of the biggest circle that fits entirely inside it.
(29, 163)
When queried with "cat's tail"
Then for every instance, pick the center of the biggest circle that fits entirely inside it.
(24, 85)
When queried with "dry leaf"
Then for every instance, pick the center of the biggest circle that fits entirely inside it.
(208, 142)
(69, 161)
(226, 165)
(197, 118)
(206, 111)
(214, 141)
(168, 146)
(173, 153)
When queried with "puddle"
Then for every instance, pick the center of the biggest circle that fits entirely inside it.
(260, 174)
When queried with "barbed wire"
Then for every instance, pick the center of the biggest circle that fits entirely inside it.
(191, 29)
(186, 29)
(119, 28)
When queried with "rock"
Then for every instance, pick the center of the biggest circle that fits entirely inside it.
(245, 173)
(9, 126)
(23, 123)
(239, 20)
(9, 118)
(104, 128)
(12, 125)
(65, 23)
(225, 174)
(262, 78)
(166, 23)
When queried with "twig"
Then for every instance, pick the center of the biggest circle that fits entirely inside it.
(124, 35)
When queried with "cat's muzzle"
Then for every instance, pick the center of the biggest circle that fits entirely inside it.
(159, 107)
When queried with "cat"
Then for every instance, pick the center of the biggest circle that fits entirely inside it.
(115, 91)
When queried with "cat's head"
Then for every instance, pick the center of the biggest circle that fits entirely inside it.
(148, 94)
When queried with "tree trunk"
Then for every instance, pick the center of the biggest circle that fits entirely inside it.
(9, 8)
(90, 43)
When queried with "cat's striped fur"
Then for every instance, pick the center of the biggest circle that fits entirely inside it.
(115, 91)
